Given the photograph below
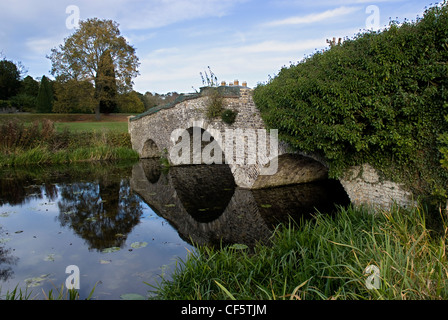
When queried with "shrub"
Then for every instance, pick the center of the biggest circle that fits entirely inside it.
(19, 135)
(378, 98)
(228, 116)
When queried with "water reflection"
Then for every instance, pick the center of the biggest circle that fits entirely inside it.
(117, 205)
(101, 213)
(7, 259)
(102, 205)
(206, 208)
(94, 201)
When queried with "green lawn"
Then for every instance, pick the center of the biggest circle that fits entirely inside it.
(92, 126)
(74, 122)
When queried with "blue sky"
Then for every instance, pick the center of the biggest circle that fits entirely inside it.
(248, 40)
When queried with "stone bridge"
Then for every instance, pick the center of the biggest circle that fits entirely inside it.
(181, 133)
(206, 208)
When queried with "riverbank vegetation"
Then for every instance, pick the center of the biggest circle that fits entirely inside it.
(325, 258)
(379, 98)
(39, 142)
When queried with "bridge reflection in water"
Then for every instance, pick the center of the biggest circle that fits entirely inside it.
(206, 208)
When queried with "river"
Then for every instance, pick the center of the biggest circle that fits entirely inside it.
(124, 225)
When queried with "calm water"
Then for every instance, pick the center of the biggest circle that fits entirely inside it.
(126, 224)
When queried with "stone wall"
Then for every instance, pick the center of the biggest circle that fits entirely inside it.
(366, 186)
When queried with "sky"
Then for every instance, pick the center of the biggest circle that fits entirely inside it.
(175, 40)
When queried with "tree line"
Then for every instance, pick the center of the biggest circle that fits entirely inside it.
(93, 72)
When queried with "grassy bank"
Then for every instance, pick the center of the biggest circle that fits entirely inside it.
(42, 142)
(324, 258)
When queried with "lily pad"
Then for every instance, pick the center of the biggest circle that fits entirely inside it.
(49, 257)
(6, 214)
(36, 281)
(105, 261)
(4, 240)
(266, 205)
(111, 249)
(138, 244)
(170, 205)
(132, 296)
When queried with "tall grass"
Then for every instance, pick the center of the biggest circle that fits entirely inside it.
(40, 143)
(324, 258)
(56, 294)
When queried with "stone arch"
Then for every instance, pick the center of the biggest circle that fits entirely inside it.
(200, 147)
(150, 150)
(292, 169)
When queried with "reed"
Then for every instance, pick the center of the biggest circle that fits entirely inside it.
(324, 258)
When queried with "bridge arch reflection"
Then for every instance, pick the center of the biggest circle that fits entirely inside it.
(205, 206)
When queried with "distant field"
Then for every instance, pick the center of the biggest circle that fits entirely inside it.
(75, 122)
(92, 126)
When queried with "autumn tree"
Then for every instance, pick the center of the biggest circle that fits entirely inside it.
(84, 53)
(130, 103)
(74, 97)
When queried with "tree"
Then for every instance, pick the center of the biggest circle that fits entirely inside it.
(106, 86)
(45, 96)
(9, 79)
(29, 86)
(130, 103)
(74, 96)
(80, 56)
(26, 99)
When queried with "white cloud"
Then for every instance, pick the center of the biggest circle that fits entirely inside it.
(179, 69)
(314, 17)
(42, 46)
(160, 13)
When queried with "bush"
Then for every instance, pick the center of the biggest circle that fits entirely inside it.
(130, 103)
(19, 135)
(377, 98)
(228, 116)
(24, 102)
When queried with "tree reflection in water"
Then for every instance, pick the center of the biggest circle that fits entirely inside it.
(103, 213)
(94, 200)
(6, 259)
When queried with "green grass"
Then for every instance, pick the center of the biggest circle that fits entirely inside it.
(43, 156)
(92, 126)
(60, 117)
(324, 258)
